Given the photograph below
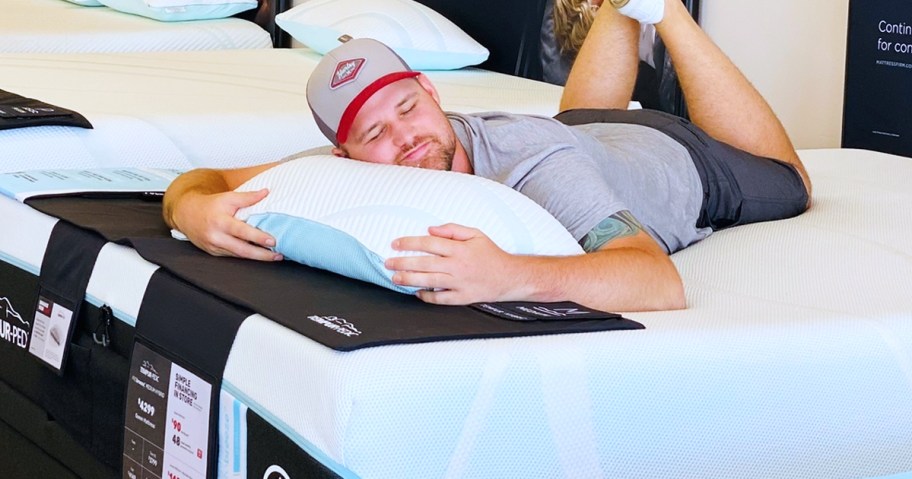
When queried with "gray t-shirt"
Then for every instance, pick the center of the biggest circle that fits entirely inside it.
(583, 174)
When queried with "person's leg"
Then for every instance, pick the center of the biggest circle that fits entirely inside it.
(605, 69)
(720, 100)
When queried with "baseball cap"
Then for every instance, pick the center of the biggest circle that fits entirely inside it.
(346, 78)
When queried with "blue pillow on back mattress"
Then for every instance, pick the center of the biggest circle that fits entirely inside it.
(86, 3)
(181, 10)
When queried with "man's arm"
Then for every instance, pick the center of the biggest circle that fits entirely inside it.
(201, 204)
(627, 271)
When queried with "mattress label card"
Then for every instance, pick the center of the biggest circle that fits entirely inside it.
(51, 331)
(21, 185)
(166, 423)
(529, 311)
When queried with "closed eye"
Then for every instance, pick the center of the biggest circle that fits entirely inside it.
(375, 134)
(407, 110)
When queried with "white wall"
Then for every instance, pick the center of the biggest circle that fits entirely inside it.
(793, 51)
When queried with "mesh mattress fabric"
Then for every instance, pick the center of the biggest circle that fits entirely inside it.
(55, 26)
(794, 359)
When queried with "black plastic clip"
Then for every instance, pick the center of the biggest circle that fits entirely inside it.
(106, 314)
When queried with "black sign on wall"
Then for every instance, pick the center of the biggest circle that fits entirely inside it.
(878, 88)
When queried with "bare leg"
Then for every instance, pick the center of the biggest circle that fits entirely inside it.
(604, 72)
(720, 100)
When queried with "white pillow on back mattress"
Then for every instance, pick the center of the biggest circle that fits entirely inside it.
(423, 38)
(342, 215)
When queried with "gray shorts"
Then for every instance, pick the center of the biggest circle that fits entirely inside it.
(738, 187)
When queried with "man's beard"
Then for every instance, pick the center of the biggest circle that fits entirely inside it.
(439, 155)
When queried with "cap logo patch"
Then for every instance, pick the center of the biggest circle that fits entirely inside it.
(346, 71)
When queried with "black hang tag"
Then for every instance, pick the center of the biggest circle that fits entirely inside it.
(170, 419)
(65, 270)
(530, 311)
(8, 111)
(17, 111)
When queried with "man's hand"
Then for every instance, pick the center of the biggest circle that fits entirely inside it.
(208, 221)
(628, 273)
(464, 266)
(201, 204)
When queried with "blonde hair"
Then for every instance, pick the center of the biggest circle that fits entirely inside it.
(572, 20)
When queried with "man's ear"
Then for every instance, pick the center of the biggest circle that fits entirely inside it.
(426, 84)
(339, 152)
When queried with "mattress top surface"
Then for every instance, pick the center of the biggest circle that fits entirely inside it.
(790, 326)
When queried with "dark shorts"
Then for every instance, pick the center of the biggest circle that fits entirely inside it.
(738, 187)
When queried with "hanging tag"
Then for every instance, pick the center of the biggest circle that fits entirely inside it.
(166, 422)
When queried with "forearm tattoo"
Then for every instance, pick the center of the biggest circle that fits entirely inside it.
(618, 225)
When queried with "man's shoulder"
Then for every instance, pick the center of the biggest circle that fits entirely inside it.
(514, 132)
(493, 119)
(481, 115)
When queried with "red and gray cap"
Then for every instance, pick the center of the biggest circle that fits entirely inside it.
(346, 78)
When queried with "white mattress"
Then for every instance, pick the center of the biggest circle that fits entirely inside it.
(57, 26)
(793, 359)
(192, 109)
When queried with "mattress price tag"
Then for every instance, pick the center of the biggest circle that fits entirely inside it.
(166, 423)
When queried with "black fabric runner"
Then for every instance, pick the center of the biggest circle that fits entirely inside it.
(341, 313)
(189, 325)
(17, 111)
(68, 263)
(65, 271)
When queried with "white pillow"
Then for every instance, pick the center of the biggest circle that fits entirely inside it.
(342, 215)
(422, 37)
(181, 10)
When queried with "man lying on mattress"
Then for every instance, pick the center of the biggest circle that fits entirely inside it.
(632, 186)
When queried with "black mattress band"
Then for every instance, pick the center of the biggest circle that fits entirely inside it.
(340, 313)
(65, 271)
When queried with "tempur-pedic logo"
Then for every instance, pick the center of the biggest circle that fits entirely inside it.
(148, 370)
(337, 324)
(13, 329)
